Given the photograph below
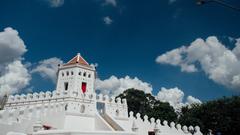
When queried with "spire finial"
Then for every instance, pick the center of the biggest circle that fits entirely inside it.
(78, 55)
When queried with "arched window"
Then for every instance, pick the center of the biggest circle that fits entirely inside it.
(84, 87)
(67, 73)
(71, 72)
(82, 109)
(79, 73)
(89, 75)
(66, 107)
(62, 74)
(84, 74)
(66, 85)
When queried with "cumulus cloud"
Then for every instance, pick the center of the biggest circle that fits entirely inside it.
(219, 63)
(115, 86)
(14, 75)
(110, 2)
(175, 97)
(236, 50)
(14, 78)
(12, 46)
(55, 3)
(107, 20)
(48, 68)
(193, 100)
(176, 58)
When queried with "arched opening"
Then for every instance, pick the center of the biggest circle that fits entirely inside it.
(67, 73)
(65, 85)
(66, 107)
(82, 109)
(84, 87)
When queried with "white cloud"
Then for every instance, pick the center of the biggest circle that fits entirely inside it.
(55, 3)
(107, 20)
(48, 68)
(115, 86)
(110, 2)
(14, 78)
(14, 75)
(12, 46)
(193, 100)
(219, 63)
(236, 50)
(175, 96)
(176, 58)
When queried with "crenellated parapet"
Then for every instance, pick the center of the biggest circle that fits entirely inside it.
(31, 98)
(110, 100)
(115, 107)
(23, 120)
(143, 126)
(19, 101)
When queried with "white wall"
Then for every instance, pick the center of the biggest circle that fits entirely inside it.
(79, 123)
(75, 78)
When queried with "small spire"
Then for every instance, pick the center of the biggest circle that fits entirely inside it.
(78, 55)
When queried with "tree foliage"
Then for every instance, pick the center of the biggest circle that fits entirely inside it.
(146, 104)
(222, 115)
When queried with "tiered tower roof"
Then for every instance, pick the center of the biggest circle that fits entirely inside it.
(78, 59)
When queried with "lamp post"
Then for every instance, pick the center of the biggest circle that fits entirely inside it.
(201, 2)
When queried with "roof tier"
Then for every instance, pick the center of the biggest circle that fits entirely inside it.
(78, 59)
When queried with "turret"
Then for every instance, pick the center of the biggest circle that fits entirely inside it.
(76, 77)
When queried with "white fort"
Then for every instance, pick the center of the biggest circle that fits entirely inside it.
(75, 109)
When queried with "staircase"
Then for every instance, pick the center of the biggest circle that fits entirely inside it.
(111, 122)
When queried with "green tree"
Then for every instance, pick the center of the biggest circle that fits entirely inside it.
(146, 104)
(163, 111)
(222, 115)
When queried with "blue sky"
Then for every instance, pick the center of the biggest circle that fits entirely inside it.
(133, 34)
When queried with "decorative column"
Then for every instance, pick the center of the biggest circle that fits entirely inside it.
(134, 126)
(157, 127)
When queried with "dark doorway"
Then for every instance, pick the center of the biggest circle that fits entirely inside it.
(151, 133)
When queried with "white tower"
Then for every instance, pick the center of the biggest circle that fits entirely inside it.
(76, 76)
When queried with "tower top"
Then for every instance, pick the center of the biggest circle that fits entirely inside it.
(78, 59)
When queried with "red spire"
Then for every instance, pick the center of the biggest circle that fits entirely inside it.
(78, 59)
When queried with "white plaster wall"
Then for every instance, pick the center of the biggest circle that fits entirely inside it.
(65, 78)
(142, 126)
(22, 120)
(75, 80)
(79, 123)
